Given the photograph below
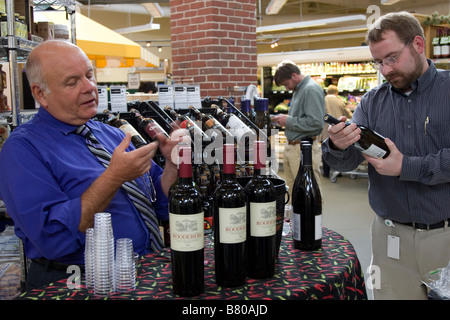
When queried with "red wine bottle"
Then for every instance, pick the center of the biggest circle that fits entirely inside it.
(307, 205)
(186, 231)
(149, 126)
(230, 227)
(261, 218)
(370, 143)
(115, 121)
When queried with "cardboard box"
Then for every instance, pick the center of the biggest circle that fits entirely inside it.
(46, 30)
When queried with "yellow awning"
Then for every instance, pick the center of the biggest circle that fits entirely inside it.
(102, 44)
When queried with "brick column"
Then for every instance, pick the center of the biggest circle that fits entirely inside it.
(214, 44)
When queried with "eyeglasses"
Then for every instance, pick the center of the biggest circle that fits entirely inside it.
(389, 61)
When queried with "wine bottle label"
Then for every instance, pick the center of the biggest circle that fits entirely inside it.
(445, 50)
(130, 129)
(437, 50)
(233, 225)
(153, 129)
(263, 218)
(296, 233)
(186, 231)
(318, 230)
(372, 151)
(237, 127)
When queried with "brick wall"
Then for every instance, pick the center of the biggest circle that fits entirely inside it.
(214, 44)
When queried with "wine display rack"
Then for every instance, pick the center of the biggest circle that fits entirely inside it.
(151, 109)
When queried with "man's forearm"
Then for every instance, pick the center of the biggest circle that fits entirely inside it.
(96, 198)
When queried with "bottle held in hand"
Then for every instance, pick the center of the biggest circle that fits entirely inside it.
(371, 143)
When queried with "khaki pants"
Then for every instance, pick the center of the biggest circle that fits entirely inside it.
(420, 253)
(291, 163)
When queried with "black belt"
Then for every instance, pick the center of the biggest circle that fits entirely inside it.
(295, 142)
(423, 226)
(55, 265)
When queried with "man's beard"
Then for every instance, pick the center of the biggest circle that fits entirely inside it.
(403, 81)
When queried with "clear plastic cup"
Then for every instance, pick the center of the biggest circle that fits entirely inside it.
(103, 254)
(125, 269)
(89, 259)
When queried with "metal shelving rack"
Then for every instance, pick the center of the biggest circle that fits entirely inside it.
(15, 48)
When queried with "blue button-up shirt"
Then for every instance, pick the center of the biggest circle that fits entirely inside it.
(44, 170)
(418, 123)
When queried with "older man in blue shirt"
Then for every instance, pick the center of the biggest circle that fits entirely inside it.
(52, 184)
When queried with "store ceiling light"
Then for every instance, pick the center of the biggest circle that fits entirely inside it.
(311, 23)
(146, 27)
(154, 9)
(275, 6)
(389, 2)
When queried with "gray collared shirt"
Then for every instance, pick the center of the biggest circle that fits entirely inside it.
(419, 125)
(306, 111)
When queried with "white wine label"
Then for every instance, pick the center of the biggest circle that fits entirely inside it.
(237, 127)
(296, 226)
(318, 231)
(296, 233)
(233, 225)
(263, 218)
(374, 151)
(130, 129)
(186, 232)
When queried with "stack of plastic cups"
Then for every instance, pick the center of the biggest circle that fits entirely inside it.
(125, 271)
(103, 254)
(89, 259)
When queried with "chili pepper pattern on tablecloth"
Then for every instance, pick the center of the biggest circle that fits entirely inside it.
(333, 272)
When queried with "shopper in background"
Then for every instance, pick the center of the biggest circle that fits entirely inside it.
(52, 184)
(336, 107)
(409, 190)
(304, 120)
(148, 87)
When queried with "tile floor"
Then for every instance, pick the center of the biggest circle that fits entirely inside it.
(346, 210)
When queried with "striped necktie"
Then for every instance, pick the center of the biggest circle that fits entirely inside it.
(136, 195)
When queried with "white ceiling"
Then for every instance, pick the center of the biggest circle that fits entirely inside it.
(119, 14)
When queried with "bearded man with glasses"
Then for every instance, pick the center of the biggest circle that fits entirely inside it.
(410, 189)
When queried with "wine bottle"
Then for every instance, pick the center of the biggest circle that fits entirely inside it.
(230, 217)
(261, 217)
(445, 43)
(246, 109)
(115, 121)
(209, 122)
(205, 186)
(307, 205)
(233, 124)
(149, 126)
(437, 48)
(371, 143)
(262, 119)
(186, 231)
(185, 122)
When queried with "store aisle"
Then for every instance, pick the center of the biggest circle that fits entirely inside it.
(346, 210)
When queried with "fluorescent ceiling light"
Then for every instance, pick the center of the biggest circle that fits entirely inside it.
(154, 9)
(146, 27)
(311, 23)
(316, 32)
(275, 6)
(389, 2)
